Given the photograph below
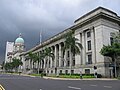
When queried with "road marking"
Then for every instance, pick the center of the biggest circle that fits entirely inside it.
(93, 85)
(108, 86)
(40, 89)
(1, 87)
(74, 87)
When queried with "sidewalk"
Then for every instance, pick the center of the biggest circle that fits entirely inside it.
(79, 79)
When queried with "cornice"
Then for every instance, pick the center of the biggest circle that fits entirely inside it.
(103, 15)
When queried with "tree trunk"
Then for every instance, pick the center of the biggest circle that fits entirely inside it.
(114, 61)
(115, 67)
(38, 67)
(70, 63)
(30, 65)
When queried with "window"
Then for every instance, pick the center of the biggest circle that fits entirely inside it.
(74, 52)
(49, 64)
(88, 34)
(68, 63)
(60, 71)
(51, 71)
(52, 63)
(68, 54)
(62, 63)
(90, 59)
(63, 54)
(55, 70)
(87, 71)
(66, 71)
(73, 63)
(57, 63)
(72, 71)
(89, 45)
(46, 64)
(111, 40)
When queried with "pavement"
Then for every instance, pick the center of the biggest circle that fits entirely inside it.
(28, 82)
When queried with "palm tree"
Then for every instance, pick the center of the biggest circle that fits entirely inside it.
(48, 54)
(32, 58)
(38, 59)
(72, 44)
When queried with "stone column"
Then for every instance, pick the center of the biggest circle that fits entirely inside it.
(65, 58)
(29, 65)
(55, 54)
(44, 63)
(84, 48)
(93, 45)
(78, 56)
(81, 61)
(60, 55)
(51, 59)
(24, 64)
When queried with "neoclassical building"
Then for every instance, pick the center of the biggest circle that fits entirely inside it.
(14, 49)
(93, 31)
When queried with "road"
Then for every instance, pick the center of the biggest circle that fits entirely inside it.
(16, 82)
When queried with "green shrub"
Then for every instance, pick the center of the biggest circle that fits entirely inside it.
(119, 77)
(62, 75)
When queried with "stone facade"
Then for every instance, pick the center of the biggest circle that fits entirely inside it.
(93, 31)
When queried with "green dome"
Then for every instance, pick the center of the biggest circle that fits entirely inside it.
(19, 40)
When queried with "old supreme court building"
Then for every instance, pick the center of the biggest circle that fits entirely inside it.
(93, 31)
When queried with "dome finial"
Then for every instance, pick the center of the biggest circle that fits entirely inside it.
(20, 35)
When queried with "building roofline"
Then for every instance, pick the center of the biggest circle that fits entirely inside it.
(97, 15)
(95, 11)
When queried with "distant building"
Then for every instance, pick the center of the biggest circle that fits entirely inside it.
(93, 31)
(13, 49)
(9, 51)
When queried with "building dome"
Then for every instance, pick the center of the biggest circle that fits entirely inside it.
(19, 40)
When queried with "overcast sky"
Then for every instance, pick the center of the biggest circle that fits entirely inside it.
(29, 17)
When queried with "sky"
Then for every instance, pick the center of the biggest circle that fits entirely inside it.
(29, 17)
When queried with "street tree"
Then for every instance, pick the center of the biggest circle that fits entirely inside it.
(112, 51)
(41, 59)
(8, 66)
(47, 55)
(16, 63)
(32, 57)
(38, 58)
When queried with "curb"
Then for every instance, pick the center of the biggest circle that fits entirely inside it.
(79, 79)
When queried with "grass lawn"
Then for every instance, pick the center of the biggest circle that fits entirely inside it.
(35, 74)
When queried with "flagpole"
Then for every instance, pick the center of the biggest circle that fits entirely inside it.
(40, 37)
